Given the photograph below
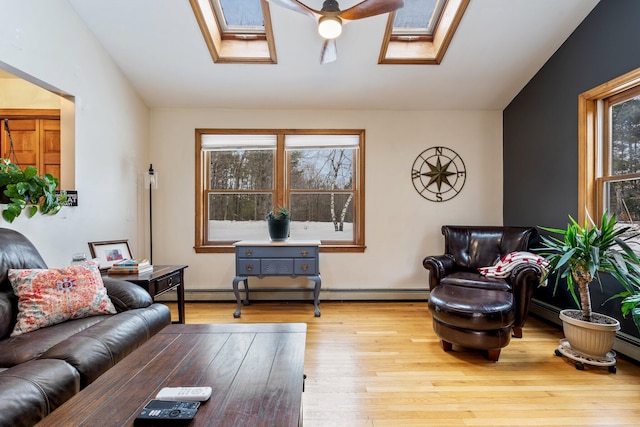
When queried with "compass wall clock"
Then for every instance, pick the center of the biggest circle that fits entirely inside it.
(438, 174)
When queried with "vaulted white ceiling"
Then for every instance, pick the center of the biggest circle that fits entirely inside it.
(498, 47)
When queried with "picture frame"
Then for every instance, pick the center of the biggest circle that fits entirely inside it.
(110, 252)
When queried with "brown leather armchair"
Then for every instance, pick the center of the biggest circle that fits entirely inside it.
(472, 310)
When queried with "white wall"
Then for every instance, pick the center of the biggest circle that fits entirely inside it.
(401, 226)
(44, 41)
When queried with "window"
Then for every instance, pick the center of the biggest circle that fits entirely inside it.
(421, 31)
(619, 183)
(240, 18)
(236, 31)
(417, 20)
(243, 174)
(609, 149)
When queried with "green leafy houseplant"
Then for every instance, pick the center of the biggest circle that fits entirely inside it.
(25, 190)
(279, 214)
(587, 250)
(631, 305)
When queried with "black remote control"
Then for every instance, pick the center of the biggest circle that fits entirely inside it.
(168, 411)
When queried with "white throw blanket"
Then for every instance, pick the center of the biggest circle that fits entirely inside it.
(508, 262)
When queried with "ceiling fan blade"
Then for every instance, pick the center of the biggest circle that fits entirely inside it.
(296, 6)
(369, 8)
(329, 51)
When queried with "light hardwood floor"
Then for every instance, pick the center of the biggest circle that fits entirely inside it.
(379, 364)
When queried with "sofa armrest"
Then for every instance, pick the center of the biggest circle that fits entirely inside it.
(439, 266)
(126, 295)
(524, 279)
(32, 390)
(8, 313)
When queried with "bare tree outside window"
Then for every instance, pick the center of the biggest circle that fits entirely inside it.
(322, 192)
(240, 193)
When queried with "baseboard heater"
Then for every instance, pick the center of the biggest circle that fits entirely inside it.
(624, 344)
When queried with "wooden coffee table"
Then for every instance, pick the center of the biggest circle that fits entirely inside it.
(255, 370)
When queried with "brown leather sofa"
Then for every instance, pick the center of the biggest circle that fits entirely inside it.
(41, 369)
(472, 310)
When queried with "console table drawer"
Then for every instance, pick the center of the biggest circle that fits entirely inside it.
(249, 267)
(276, 266)
(168, 282)
(283, 252)
(305, 266)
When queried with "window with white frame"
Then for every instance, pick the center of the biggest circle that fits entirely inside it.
(243, 174)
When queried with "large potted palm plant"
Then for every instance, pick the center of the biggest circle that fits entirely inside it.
(582, 252)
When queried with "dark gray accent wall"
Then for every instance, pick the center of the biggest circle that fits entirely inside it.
(541, 127)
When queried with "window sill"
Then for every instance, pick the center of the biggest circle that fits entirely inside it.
(226, 248)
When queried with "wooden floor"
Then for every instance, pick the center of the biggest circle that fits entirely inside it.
(380, 364)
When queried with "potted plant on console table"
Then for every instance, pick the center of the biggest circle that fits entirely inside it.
(25, 190)
(278, 221)
(579, 257)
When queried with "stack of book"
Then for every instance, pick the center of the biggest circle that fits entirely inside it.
(131, 266)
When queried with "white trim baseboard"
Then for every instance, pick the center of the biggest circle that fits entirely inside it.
(303, 294)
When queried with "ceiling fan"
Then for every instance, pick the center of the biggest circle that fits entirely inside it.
(330, 18)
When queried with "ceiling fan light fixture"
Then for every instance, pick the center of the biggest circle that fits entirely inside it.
(330, 27)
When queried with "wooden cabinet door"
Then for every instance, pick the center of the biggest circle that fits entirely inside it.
(36, 142)
(25, 134)
(50, 148)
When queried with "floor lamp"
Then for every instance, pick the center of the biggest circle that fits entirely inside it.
(153, 185)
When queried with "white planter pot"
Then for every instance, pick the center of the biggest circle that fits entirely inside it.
(591, 339)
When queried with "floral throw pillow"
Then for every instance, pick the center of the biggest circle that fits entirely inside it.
(52, 296)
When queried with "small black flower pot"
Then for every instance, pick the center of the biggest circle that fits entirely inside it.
(278, 229)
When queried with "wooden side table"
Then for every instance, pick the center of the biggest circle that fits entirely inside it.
(162, 279)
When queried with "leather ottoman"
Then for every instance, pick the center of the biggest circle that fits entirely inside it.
(472, 317)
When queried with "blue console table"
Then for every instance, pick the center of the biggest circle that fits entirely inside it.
(265, 258)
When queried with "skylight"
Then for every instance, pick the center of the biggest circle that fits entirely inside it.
(417, 18)
(239, 16)
(421, 31)
(236, 31)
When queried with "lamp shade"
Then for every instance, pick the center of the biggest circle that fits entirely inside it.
(330, 27)
(151, 178)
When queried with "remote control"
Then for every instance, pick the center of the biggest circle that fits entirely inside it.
(166, 410)
(192, 394)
